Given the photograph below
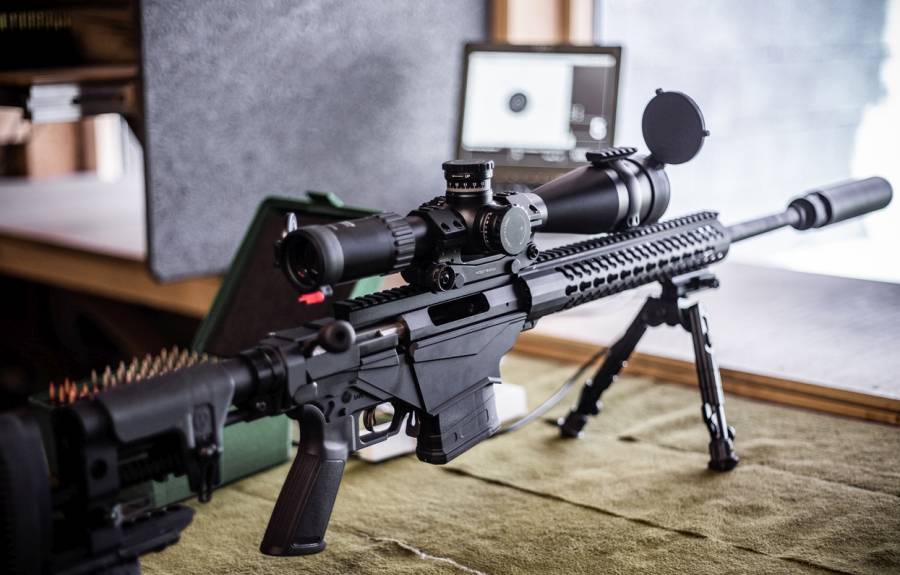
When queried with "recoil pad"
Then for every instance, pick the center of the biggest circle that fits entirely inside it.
(840, 202)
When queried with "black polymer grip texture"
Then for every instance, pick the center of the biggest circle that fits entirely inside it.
(578, 273)
(301, 514)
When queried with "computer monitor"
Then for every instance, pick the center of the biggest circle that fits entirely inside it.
(536, 110)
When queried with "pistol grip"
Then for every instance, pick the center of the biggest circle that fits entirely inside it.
(301, 514)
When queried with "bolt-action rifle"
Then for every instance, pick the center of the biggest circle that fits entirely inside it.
(431, 349)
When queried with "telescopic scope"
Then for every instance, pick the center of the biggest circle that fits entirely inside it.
(618, 190)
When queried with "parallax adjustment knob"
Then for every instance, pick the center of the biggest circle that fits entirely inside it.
(506, 229)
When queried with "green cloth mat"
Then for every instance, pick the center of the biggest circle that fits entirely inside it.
(813, 493)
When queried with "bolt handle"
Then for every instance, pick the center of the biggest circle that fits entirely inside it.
(336, 337)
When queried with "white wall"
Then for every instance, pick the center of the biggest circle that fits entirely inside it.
(796, 94)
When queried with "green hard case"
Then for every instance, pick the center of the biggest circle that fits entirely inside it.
(254, 299)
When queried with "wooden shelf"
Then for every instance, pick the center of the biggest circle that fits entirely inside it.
(116, 278)
(74, 75)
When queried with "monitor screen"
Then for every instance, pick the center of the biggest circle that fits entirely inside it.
(529, 106)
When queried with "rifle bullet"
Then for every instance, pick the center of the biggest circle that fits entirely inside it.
(134, 371)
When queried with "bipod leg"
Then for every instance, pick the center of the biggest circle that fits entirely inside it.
(721, 435)
(589, 401)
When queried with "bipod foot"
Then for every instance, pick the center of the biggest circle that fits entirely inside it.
(722, 456)
(571, 425)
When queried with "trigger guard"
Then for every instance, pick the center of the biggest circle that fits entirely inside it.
(374, 437)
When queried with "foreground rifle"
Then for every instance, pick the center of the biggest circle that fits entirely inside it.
(431, 349)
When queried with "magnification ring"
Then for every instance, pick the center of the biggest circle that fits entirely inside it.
(404, 239)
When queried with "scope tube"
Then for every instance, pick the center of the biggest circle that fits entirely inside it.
(607, 196)
(328, 254)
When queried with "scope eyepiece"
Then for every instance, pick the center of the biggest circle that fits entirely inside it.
(328, 254)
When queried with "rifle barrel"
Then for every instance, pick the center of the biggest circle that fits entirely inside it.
(821, 207)
(765, 224)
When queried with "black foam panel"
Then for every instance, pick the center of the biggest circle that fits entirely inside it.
(248, 99)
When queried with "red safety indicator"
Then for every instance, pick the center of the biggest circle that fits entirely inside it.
(312, 298)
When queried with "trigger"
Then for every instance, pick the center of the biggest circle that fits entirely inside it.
(369, 419)
(412, 425)
(376, 436)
